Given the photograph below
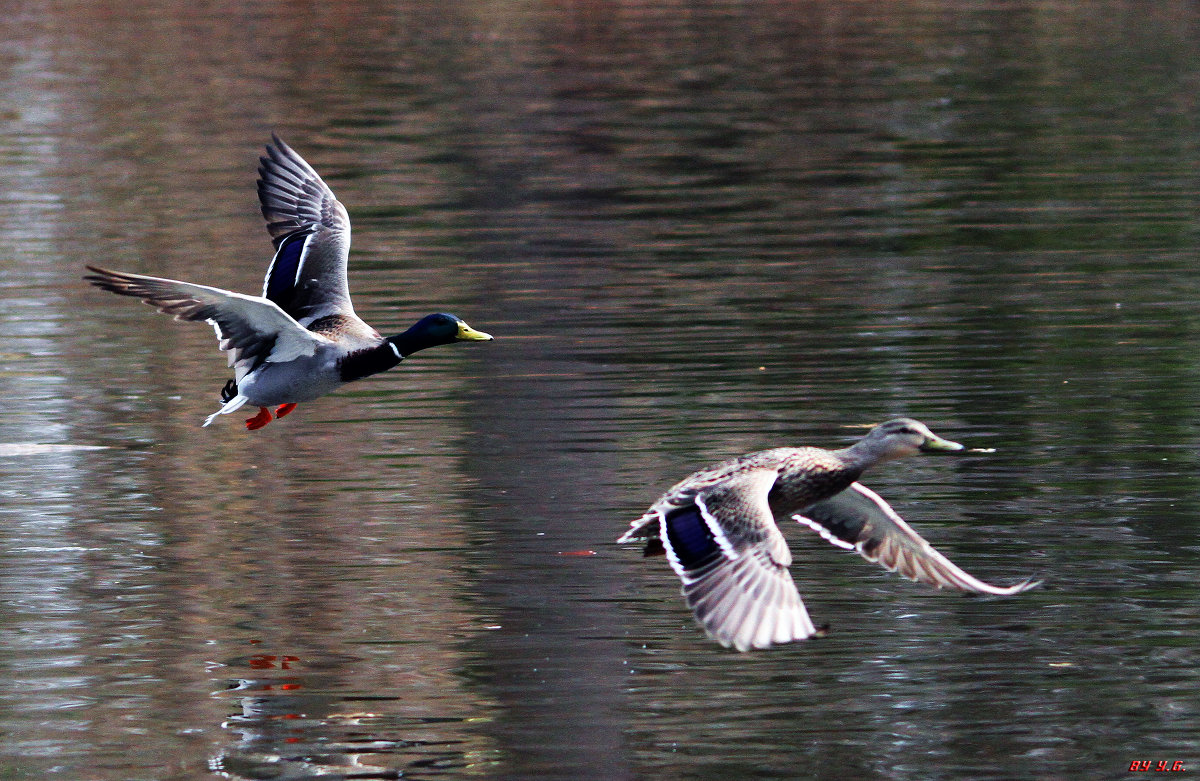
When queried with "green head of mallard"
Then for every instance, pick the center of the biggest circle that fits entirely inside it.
(436, 329)
(901, 438)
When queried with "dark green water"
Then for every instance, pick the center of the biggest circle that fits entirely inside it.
(697, 229)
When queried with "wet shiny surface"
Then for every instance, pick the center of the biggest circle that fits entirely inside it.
(696, 230)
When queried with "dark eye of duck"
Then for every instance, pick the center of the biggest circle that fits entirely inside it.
(900, 427)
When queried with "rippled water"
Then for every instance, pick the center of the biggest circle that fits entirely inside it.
(697, 229)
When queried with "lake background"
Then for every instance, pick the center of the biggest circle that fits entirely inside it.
(696, 229)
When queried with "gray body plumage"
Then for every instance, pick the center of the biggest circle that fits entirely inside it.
(302, 379)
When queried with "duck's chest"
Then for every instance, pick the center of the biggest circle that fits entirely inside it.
(808, 476)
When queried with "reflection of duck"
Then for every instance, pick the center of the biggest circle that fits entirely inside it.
(718, 529)
(301, 339)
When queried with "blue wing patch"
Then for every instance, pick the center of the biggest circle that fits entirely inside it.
(689, 537)
(281, 276)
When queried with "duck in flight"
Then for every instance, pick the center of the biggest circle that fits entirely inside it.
(718, 529)
(300, 339)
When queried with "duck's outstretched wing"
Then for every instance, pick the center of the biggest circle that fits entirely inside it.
(311, 233)
(251, 329)
(859, 519)
(723, 543)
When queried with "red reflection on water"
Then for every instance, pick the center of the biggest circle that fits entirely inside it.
(268, 661)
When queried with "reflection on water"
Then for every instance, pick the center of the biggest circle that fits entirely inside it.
(696, 230)
(302, 717)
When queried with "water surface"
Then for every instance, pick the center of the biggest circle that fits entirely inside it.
(697, 229)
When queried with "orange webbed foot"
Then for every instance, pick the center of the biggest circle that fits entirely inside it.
(284, 409)
(258, 421)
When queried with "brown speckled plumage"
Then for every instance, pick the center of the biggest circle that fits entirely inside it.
(719, 530)
(344, 327)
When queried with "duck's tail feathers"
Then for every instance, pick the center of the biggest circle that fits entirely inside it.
(643, 529)
(232, 405)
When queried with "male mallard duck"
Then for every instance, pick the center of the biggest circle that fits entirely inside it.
(301, 338)
(718, 530)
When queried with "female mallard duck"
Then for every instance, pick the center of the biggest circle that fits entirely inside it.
(301, 338)
(718, 530)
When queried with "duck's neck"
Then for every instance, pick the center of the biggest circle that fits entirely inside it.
(385, 355)
(412, 340)
(857, 458)
(364, 363)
